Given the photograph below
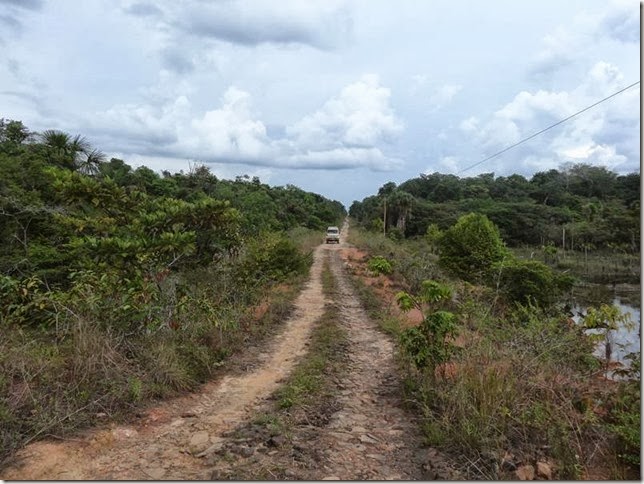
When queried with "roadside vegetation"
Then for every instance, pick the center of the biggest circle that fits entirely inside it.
(118, 285)
(503, 380)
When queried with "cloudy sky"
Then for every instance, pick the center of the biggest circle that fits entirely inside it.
(334, 96)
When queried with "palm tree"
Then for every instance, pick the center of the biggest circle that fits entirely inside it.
(401, 204)
(90, 161)
(72, 153)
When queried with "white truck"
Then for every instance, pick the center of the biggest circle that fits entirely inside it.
(332, 235)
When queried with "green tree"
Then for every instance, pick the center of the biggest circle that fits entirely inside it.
(13, 132)
(471, 247)
(72, 153)
(400, 205)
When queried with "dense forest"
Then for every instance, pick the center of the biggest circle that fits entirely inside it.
(579, 207)
(118, 284)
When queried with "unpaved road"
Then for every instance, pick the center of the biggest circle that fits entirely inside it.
(368, 435)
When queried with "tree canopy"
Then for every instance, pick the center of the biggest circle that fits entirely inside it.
(592, 205)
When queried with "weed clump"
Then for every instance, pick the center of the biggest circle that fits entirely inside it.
(379, 265)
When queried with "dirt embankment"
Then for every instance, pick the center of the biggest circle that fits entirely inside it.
(365, 434)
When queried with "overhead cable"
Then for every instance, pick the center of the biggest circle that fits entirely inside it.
(546, 129)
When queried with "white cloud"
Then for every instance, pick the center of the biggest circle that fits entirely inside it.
(526, 107)
(592, 137)
(359, 117)
(499, 132)
(470, 124)
(229, 133)
(342, 158)
(558, 49)
(569, 43)
(143, 123)
(622, 22)
(595, 154)
(450, 164)
(323, 25)
(345, 133)
(602, 78)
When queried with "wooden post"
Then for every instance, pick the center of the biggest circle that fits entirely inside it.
(384, 220)
(563, 242)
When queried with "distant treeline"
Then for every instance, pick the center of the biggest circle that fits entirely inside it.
(582, 206)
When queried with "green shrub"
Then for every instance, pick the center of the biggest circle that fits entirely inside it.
(523, 281)
(273, 257)
(394, 233)
(429, 345)
(379, 265)
(471, 247)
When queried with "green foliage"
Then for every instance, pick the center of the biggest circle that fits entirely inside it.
(602, 322)
(433, 234)
(522, 281)
(606, 318)
(13, 133)
(379, 265)
(429, 345)
(591, 203)
(376, 225)
(431, 293)
(626, 415)
(471, 247)
(394, 233)
(514, 386)
(118, 284)
(273, 257)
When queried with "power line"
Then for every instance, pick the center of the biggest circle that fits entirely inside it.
(546, 129)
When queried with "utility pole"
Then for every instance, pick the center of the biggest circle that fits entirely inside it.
(563, 241)
(384, 219)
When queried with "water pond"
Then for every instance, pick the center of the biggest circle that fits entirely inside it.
(626, 339)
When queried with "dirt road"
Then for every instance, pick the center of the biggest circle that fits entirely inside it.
(367, 436)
